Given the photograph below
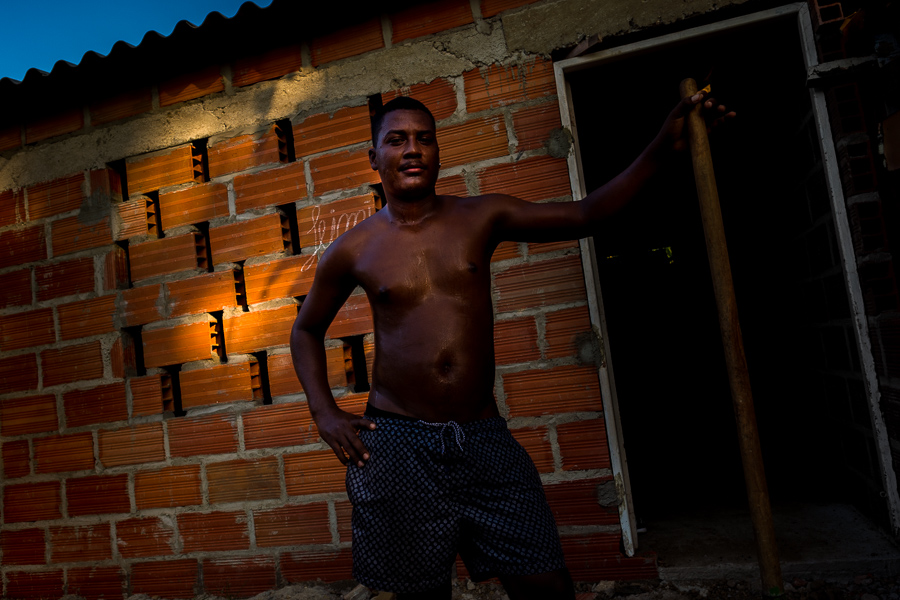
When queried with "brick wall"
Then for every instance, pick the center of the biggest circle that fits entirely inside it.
(154, 437)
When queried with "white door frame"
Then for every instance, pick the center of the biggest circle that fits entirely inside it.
(562, 69)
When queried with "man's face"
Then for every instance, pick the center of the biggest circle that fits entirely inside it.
(406, 157)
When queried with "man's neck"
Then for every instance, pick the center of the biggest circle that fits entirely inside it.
(412, 211)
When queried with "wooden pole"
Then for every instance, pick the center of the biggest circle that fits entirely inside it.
(736, 361)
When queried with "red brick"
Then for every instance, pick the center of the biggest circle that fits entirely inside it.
(106, 185)
(270, 187)
(168, 255)
(142, 305)
(97, 495)
(540, 284)
(500, 85)
(326, 565)
(583, 445)
(61, 453)
(12, 204)
(214, 531)
(87, 318)
(94, 583)
(257, 330)
(576, 503)
(204, 293)
(173, 167)
(532, 179)
(37, 585)
(515, 341)
(195, 204)
(297, 525)
(16, 286)
(121, 106)
(132, 445)
(10, 137)
(596, 556)
(72, 363)
(346, 42)
(279, 425)
(239, 577)
(55, 197)
(23, 547)
(167, 487)
(537, 444)
(544, 247)
(34, 414)
(102, 404)
(269, 65)
(489, 8)
(243, 480)
(16, 459)
(223, 383)
(166, 579)
(558, 390)
(115, 269)
(191, 85)
(439, 96)
(80, 543)
(31, 502)
(313, 473)
(506, 251)
(565, 329)
(344, 512)
(151, 536)
(342, 170)
(283, 380)
(122, 359)
(533, 125)
(322, 132)
(64, 278)
(212, 434)
(25, 329)
(18, 373)
(253, 237)
(48, 126)
(321, 224)
(354, 318)
(354, 404)
(133, 218)
(246, 152)
(21, 246)
(282, 278)
(176, 345)
(71, 235)
(473, 141)
(150, 394)
(452, 186)
(432, 17)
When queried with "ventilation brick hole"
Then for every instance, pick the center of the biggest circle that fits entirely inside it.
(375, 103)
(831, 12)
(259, 377)
(123, 244)
(240, 287)
(217, 336)
(154, 221)
(378, 193)
(171, 381)
(200, 160)
(290, 229)
(203, 247)
(355, 363)
(285, 134)
(134, 336)
(118, 166)
(168, 392)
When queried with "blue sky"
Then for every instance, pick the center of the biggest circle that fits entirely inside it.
(37, 33)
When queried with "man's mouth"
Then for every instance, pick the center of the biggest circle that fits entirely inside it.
(413, 168)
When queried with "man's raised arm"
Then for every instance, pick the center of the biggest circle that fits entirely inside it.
(331, 288)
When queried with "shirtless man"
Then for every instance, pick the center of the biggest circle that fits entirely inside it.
(432, 467)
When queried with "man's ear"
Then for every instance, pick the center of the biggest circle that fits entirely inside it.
(372, 162)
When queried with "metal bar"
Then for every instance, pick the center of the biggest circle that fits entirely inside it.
(732, 343)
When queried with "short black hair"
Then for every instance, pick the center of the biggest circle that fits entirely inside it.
(398, 103)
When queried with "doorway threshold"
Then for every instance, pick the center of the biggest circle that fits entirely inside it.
(830, 542)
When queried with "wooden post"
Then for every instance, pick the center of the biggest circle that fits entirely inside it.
(736, 361)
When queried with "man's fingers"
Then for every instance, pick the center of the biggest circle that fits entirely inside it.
(336, 448)
(363, 423)
(357, 451)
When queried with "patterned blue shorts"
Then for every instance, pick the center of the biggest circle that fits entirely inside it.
(430, 491)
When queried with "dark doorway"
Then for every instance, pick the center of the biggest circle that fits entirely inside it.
(665, 351)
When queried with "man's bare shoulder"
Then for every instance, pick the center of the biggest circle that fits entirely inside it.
(342, 252)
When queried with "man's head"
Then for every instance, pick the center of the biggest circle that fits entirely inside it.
(398, 103)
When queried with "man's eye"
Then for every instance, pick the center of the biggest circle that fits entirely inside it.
(395, 141)
(426, 139)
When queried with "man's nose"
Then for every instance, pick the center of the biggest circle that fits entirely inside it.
(412, 148)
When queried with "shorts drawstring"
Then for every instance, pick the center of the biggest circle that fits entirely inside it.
(457, 432)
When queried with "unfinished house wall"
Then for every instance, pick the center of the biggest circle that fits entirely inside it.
(156, 241)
